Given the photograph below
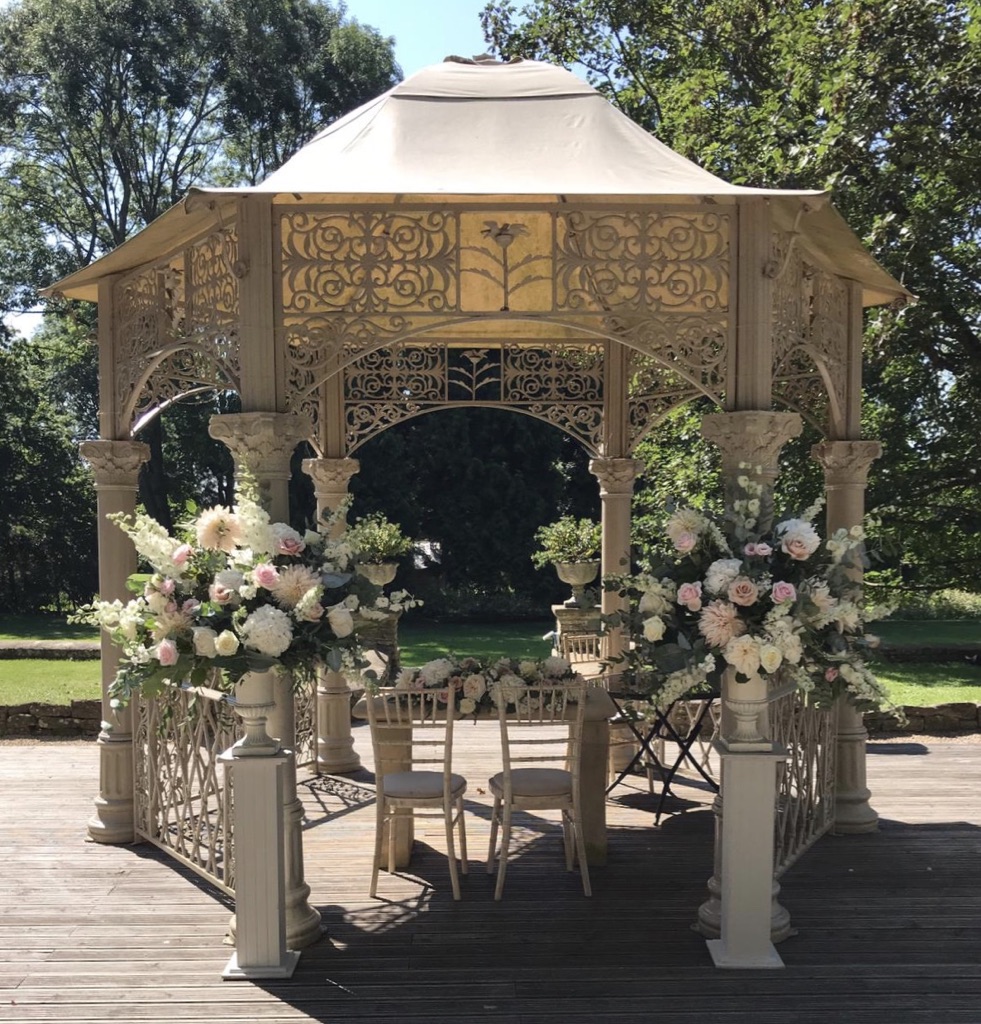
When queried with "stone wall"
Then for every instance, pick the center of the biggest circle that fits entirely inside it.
(930, 721)
(81, 718)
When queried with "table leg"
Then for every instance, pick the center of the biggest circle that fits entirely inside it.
(592, 782)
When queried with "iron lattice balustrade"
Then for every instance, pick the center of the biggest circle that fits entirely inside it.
(805, 787)
(184, 793)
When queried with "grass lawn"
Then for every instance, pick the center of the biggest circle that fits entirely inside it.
(58, 682)
(922, 633)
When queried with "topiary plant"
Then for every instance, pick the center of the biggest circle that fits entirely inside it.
(376, 539)
(567, 540)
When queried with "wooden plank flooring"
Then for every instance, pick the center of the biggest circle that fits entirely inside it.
(889, 923)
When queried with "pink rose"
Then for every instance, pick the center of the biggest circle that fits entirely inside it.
(831, 674)
(220, 594)
(750, 550)
(685, 541)
(764, 550)
(783, 591)
(290, 545)
(690, 595)
(314, 613)
(166, 586)
(167, 652)
(171, 606)
(743, 591)
(797, 549)
(190, 606)
(266, 575)
(181, 555)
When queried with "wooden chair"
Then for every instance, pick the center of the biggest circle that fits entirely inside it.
(543, 730)
(415, 728)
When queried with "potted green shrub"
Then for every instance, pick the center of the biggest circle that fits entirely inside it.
(378, 544)
(572, 546)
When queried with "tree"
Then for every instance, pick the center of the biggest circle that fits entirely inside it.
(826, 95)
(110, 110)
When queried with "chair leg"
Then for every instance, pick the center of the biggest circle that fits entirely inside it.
(502, 863)
(495, 813)
(392, 819)
(462, 828)
(451, 852)
(379, 829)
(581, 850)
(567, 841)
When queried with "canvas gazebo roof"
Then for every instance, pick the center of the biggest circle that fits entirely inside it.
(464, 129)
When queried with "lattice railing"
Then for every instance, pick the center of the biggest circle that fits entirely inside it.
(183, 793)
(805, 789)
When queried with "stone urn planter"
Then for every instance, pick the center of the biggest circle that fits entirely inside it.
(378, 573)
(578, 575)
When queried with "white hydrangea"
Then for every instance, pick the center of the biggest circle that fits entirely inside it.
(255, 531)
(268, 630)
(721, 573)
(435, 672)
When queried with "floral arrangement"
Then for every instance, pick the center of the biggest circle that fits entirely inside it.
(779, 602)
(475, 685)
(233, 593)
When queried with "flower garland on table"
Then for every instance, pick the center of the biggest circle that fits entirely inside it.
(728, 594)
(236, 593)
(476, 685)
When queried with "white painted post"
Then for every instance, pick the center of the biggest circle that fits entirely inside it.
(747, 859)
(260, 871)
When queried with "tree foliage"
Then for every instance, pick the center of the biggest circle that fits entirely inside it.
(878, 101)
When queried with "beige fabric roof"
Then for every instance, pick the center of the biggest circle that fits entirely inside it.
(505, 130)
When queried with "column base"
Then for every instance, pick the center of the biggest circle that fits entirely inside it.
(708, 923)
(113, 822)
(764, 959)
(854, 815)
(285, 969)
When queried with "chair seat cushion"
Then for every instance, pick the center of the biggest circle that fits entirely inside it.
(420, 785)
(534, 782)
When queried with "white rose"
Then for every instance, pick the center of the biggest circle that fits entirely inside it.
(467, 706)
(204, 641)
(770, 657)
(743, 654)
(341, 621)
(653, 629)
(226, 643)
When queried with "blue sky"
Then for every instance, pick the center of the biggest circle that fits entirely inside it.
(425, 31)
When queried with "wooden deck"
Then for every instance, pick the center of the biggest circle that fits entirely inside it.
(889, 923)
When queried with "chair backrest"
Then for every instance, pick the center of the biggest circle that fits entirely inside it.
(420, 719)
(542, 725)
(579, 648)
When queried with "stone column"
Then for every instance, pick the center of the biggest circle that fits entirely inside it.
(262, 443)
(755, 439)
(116, 466)
(846, 469)
(616, 479)
(335, 744)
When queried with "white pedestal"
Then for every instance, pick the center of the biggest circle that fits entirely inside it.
(260, 870)
(749, 796)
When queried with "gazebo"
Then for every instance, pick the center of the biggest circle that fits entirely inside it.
(483, 235)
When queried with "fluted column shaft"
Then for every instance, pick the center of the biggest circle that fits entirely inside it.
(335, 742)
(846, 470)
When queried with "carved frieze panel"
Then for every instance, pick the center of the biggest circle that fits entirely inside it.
(506, 261)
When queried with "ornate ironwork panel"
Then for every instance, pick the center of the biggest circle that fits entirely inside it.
(675, 262)
(810, 335)
(305, 725)
(177, 327)
(559, 383)
(183, 801)
(805, 791)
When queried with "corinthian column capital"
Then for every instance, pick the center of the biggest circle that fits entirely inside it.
(115, 464)
(330, 476)
(751, 437)
(846, 463)
(616, 476)
(261, 442)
